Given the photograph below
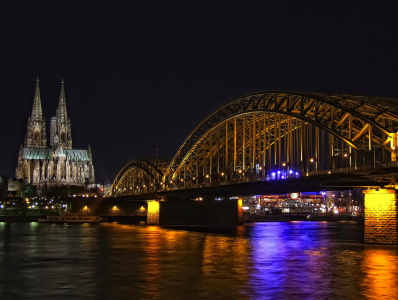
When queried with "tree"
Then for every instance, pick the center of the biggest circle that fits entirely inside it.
(29, 191)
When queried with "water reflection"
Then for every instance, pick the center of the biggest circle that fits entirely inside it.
(380, 268)
(298, 260)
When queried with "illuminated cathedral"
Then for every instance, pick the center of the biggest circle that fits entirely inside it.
(57, 164)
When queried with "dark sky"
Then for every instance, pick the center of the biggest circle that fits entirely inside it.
(140, 75)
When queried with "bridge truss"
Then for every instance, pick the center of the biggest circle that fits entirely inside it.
(285, 134)
(139, 176)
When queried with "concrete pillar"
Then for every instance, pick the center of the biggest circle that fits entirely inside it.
(381, 217)
(240, 211)
(153, 212)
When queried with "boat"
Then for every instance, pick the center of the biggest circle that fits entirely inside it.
(72, 218)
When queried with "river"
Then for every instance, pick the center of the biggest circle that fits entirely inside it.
(296, 260)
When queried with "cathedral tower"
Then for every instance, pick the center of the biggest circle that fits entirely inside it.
(36, 135)
(60, 127)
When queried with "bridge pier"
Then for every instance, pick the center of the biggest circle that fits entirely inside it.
(153, 212)
(381, 217)
(205, 212)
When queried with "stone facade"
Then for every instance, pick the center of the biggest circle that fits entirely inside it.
(58, 164)
(381, 217)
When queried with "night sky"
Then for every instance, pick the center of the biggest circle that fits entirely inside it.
(140, 75)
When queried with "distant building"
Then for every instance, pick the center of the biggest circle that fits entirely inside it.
(15, 187)
(3, 185)
(59, 164)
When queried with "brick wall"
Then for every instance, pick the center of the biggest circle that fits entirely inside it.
(381, 217)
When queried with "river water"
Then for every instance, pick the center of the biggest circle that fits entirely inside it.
(296, 260)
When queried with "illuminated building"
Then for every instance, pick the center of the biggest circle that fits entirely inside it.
(58, 164)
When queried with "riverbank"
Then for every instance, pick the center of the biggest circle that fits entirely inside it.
(251, 218)
(21, 218)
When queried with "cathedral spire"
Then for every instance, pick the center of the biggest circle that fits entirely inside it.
(37, 113)
(62, 112)
(60, 130)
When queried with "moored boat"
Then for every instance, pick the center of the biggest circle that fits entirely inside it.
(72, 218)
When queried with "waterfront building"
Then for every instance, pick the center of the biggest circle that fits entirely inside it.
(58, 164)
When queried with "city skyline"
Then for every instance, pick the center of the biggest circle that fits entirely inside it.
(138, 81)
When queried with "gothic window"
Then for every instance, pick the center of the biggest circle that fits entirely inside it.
(63, 137)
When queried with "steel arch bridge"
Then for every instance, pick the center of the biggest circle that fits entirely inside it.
(277, 135)
(140, 175)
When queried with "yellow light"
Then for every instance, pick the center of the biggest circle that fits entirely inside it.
(345, 155)
(222, 174)
(311, 160)
(182, 180)
(240, 211)
(207, 176)
(240, 171)
(193, 178)
(115, 208)
(171, 181)
(329, 172)
(283, 165)
(153, 213)
(142, 208)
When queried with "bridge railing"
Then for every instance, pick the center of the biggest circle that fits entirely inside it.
(278, 175)
(352, 169)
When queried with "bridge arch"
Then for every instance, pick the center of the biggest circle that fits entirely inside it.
(140, 175)
(293, 132)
